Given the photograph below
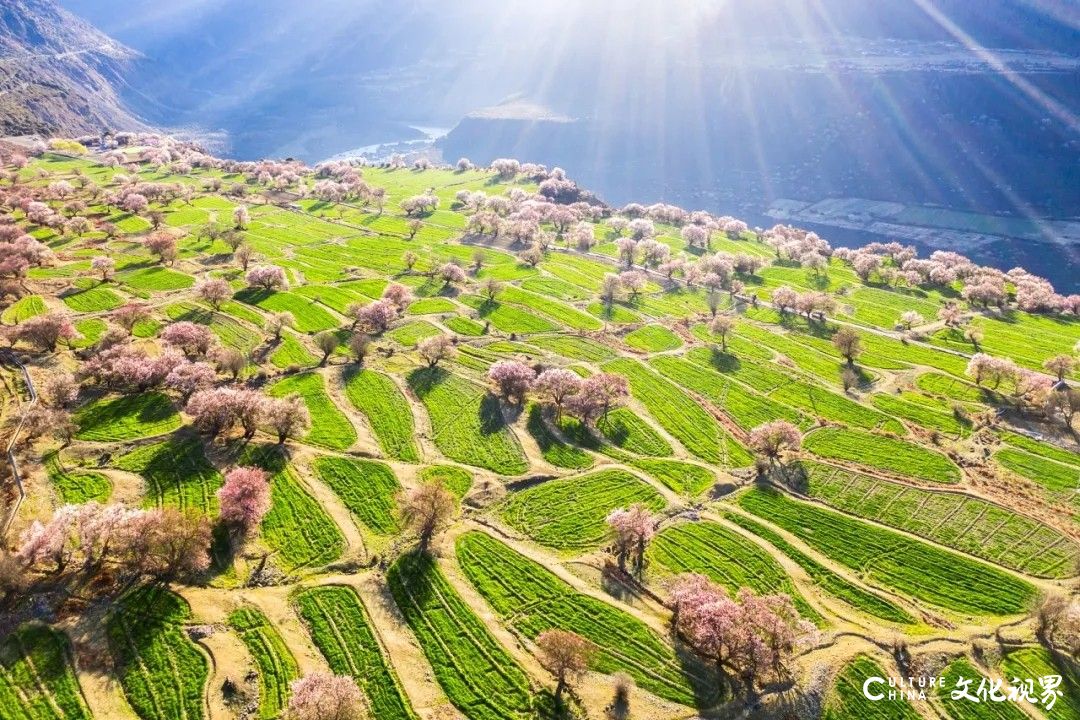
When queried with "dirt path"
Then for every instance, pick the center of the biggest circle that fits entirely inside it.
(330, 502)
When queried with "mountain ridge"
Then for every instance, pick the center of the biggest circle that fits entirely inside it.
(59, 74)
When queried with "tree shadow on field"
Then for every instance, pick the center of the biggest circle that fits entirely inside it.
(724, 362)
(491, 417)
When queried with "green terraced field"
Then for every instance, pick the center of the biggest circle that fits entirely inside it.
(532, 599)
(568, 513)
(162, 672)
(456, 480)
(368, 488)
(938, 577)
(467, 422)
(653, 338)
(127, 417)
(682, 477)
(156, 279)
(23, 309)
(387, 411)
(625, 430)
(710, 549)
(342, 630)
(76, 486)
(683, 418)
(276, 665)
(552, 449)
(89, 296)
(846, 700)
(477, 674)
(882, 452)
(1037, 662)
(297, 527)
(330, 428)
(310, 317)
(963, 709)
(829, 581)
(961, 522)
(37, 680)
(177, 473)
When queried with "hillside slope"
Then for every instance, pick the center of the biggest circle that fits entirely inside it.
(58, 74)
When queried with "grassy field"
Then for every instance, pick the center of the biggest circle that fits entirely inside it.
(627, 431)
(1037, 662)
(682, 477)
(155, 279)
(368, 488)
(727, 558)
(846, 700)
(652, 338)
(310, 317)
(923, 411)
(292, 353)
(276, 665)
(531, 599)
(23, 309)
(456, 480)
(962, 709)
(683, 418)
(177, 473)
(162, 672)
(230, 331)
(76, 486)
(884, 453)
(37, 680)
(297, 528)
(508, 318)
(90, 296)
(341, 629)
(477, 674)
(554, 450)
(575, 348)
(387, 411)
(467, 422)
(839, 587)
(330, 428)
(127, 417)
(742, 404)
(410, 334)
(568, 513)
(935, 576)
(963, 523)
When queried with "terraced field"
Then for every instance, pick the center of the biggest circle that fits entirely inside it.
(477, 674)
(74, 485)
(366, 487)
(1037, 662)
(341, 628)
(955, 520)
(330, 428)
(678, 414)
(846, 700)
(37, 680)
(126, 417)
(386, 410)
(920, 511)
(176, 472)
(568, 513)
(938, 577)
(532, 599)
(882, 452)
(297, 527)
(710, 549)
(831, 582)
(467, 422)
(276, 664)
(161, 671)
